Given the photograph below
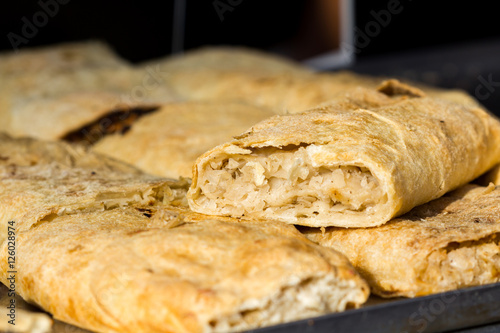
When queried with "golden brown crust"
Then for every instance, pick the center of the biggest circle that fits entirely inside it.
(59, 58)
(398, 257)
(71, 85)
(67, 114)
(288, 92)
(50, 91)
(168, 141)
(227, 59)
(48, 105)
(17, 153)
(117, 252)
(69, 179)
(284, 93)
(260, 79)
(417, 148)
(197, 273)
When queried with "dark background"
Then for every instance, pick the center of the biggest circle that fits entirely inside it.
(445, 43)
(142, 29)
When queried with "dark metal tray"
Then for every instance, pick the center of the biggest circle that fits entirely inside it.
(450, 311)
(462, 309)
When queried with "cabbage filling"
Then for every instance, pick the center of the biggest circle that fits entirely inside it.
(285, 182)
(464, 264)
(310, 298)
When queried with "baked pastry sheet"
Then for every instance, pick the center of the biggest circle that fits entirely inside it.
(358, 161)
(447, 244)
(112, 251)
(135, 258)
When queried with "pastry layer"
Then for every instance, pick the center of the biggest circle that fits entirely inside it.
(449, 243)
(357, 162)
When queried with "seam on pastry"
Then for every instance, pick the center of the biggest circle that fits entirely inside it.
(493, 238)
(117, 121)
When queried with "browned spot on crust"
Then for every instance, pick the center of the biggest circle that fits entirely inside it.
(27, 281)
(494, 238)
(76, 248)
(395, 88)
(118, 121)
(145, 211)
(484, 220)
